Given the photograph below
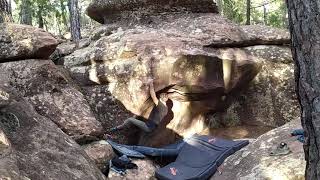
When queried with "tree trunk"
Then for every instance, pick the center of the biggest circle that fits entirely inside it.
(40, 18)
(5, 11)
(26, 12)
(265, 20)
(74, 20)
(248, 12)
(305, 31)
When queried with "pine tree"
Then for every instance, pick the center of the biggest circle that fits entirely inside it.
(248, 12)
(40, 15)
(305, 31)
(74, 20)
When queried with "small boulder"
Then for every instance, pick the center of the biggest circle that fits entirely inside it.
(146, 170)
(100, 152)
(67, 48)
(25, 42)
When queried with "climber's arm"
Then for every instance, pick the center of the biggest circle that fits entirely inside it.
(153, 94)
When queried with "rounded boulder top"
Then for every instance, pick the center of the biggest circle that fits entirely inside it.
(104, 11)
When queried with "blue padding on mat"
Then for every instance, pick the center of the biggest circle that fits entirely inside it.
(199, 158)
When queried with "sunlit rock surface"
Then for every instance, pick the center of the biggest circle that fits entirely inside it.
(254, 162)
(101, 153)
(4, 97)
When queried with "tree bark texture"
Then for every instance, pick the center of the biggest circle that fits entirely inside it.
(74, 20)
(305, 31)
(265, 20)
(248, 12)
(5, 11)
(26, 12)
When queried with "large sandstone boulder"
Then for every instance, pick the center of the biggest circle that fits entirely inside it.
(33, 147)
(202, 60)
(197, 58)
(254, 162)
(188, 72)
(51, 91)
(25, 42)
(107, 11)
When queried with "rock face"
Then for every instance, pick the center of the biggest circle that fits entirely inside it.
(8, 165)
(25, 42)
(109, 111)
(254, 162)
(32, 147)
(271, 99)
(51, 92)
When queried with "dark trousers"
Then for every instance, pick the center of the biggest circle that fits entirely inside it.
(135, 122)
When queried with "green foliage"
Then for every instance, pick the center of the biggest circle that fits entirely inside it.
(276, 12)
(55, 16)
(234, 10)
(53, 13)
